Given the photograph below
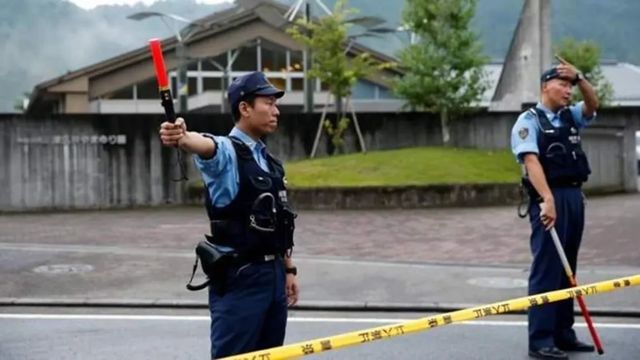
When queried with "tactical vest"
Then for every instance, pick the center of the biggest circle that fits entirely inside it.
(560, 153)
(259, 220)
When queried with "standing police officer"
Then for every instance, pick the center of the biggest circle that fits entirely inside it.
(251, 220)
(546, 139)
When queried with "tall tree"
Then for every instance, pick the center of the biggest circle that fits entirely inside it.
(327, 39)
(585, 56)
(444, 67)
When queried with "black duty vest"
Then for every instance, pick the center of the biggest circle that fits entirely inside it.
(560, 153)
(259, 220)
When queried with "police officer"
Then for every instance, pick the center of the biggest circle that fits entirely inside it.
(251, 219)
(546, 140)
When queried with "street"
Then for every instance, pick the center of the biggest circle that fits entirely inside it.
(45, 333)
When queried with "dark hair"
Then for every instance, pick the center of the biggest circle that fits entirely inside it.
(249, 99)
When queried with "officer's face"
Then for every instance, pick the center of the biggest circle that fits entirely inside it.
(262, 117)
(557, 91)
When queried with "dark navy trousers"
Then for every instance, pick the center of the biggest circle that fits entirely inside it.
(551, 324)
(252, 314)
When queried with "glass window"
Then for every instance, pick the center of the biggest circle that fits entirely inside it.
(385, 93)
(280, 83)
(174, 86)
(124, 93)
(220, 59)
(214, 84)
(246, 61)
(364, 90)
(193, 86)
(148, 89)
(192, 66)
(274, 57)
(296, 63)
(297, 84)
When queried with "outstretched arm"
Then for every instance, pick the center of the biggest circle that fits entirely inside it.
(176, 134)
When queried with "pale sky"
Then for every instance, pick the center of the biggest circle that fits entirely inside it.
(90, 4)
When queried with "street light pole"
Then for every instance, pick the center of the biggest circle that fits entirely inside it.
(182, 83)
(181, 51)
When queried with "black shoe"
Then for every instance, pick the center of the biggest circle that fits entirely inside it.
(577, 345)
(548, 353)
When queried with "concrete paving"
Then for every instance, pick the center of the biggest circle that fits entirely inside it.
(422, 259)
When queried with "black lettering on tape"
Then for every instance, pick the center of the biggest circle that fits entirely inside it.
(365, 337)
(326, 345)
(307, 349)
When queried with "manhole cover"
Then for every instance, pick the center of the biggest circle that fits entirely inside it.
(63, 268)
(498, 282)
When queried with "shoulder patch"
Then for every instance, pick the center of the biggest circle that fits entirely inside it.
(523, 133)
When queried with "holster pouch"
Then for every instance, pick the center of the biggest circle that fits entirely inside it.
(214, 264)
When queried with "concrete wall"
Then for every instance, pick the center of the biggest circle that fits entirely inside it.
(104, 161)
(78, 162)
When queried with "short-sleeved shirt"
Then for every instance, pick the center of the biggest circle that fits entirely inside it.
(220, 173)
(524, 135)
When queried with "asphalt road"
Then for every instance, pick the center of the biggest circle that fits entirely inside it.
(66, 333)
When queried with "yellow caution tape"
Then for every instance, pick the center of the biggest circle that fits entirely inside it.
(384, 332)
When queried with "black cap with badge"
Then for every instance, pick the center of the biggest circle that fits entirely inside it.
(254, 83)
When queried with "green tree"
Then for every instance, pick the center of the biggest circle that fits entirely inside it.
(585, 56)
(327, 38)
(444, 68)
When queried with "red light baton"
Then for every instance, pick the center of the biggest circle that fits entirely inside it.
(163, 81)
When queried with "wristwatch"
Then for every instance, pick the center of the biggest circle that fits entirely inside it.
(579, 77)
(292, 270)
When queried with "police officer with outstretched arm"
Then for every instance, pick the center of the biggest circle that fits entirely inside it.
(546, 140)
(251, 221)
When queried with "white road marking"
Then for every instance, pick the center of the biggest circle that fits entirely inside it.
(292, 319)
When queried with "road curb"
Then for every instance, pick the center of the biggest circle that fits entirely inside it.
(354, 306)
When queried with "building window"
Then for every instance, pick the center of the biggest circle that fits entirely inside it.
(385, 93)
(220, 59)
(274, 57)
(297, 84)
(211, 84)
(247, 60)
(279, 83)
(192, 86)
(364, 90)
(148, 89)
(124, 93)
(296, 61)
(192, 66)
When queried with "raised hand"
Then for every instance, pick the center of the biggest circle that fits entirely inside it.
(565, 69)
(172, 133)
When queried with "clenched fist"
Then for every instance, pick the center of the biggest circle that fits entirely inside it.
(172, 133)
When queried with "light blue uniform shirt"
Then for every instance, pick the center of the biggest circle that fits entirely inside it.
(524, 135)
(220, 173)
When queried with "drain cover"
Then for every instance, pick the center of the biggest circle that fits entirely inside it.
(498, 282)
(64, 268)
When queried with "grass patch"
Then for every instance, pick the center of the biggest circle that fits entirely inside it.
(411, 166)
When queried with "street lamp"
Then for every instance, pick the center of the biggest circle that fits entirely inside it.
(181, 50)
